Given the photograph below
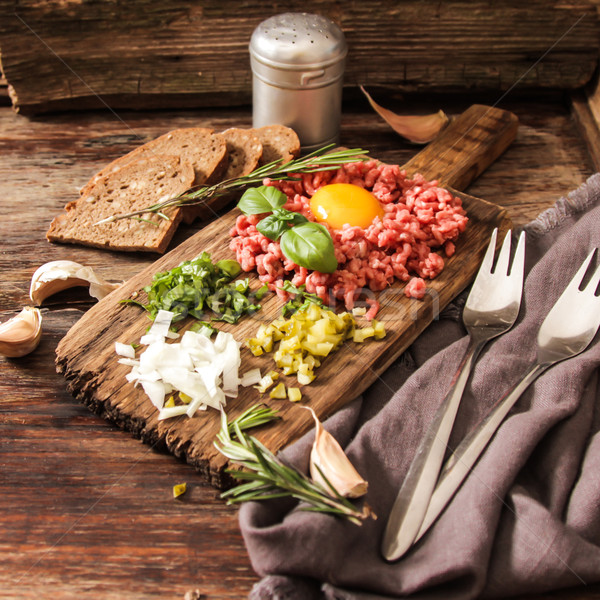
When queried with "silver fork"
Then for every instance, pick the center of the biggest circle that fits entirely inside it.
(568, 329)
(491, 309)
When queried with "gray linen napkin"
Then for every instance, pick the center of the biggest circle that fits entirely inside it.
(527, 519)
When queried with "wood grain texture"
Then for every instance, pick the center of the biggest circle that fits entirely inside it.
(470, 143)
(85, 510)
(144, 54)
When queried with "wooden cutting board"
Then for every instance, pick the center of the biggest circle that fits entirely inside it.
(86, 356)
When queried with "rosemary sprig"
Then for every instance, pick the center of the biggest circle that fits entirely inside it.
(256, 415)
(266, 477)
(319, 160)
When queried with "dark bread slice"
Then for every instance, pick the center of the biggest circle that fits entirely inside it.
(244, 151)
(133, 186)
(200, 146)
(278, 142)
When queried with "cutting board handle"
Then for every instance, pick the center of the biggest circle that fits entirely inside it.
(466, 147)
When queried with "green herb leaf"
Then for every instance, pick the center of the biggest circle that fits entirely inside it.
(256, 415)
(276, 224)
(197, 288)
(289, 216)
(263, 199)
(230, 267)
(301, 300)
(309, 245)
(272, 227)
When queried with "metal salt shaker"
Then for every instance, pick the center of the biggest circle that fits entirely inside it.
(297, 62)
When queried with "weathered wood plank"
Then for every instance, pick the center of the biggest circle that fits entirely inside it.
(143, 54)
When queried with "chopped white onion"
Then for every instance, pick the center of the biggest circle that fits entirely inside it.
(130, 362)
(251, 377)
(125, 350)
(162, 323)
(203, 370)
(171, 411)
(156, 391)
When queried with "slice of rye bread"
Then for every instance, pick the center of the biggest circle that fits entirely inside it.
(243, 154)
(200, 146)
(244, 151)
(278, 142)
(134, 186)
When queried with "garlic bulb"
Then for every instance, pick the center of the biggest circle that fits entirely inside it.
(329, 457)
(419, 129)
(60, 275)
(21, 334)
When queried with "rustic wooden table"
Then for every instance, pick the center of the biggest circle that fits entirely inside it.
(86, 511)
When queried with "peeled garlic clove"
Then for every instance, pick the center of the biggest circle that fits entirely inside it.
(59, 275)
(419, 129)
(21, 334)
(331, 460)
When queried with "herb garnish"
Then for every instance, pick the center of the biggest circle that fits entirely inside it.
(199, 287)
(322, 159)
(305, 243)
(301, 300)
(256, 415)
(267, 477)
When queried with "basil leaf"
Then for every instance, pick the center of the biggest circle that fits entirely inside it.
(291, 217)
(263, 199)
(275, 225)
(272, 227)
(309, 245)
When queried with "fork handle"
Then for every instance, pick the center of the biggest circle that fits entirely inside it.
(461, 461)
(410, 506)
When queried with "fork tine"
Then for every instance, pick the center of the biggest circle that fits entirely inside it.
(519, 259)
(488, 259)
(577, 280)
(595, 280)
(504, 257)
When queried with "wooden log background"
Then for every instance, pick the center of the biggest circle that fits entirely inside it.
(141, 54)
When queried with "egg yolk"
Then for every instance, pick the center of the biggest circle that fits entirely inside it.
(339, 204)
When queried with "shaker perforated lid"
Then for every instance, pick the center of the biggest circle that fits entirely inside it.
(298, 40)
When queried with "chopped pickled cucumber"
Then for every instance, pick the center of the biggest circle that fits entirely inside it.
(278, 392)
(305, 338)
(294, 394)
(179, 489)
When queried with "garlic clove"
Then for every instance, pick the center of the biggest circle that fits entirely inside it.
(59, 275)
(21, 334)
(329, 457)
(419, 129)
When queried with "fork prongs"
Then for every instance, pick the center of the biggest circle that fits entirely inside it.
(575, 284)
(592, 284)
(503, 261)
(488, 260)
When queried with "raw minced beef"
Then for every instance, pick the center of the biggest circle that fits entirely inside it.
(419, 218)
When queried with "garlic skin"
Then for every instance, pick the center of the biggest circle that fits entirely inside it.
(21, 334)
(419, 129)
(330, 458)
(60, 275)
